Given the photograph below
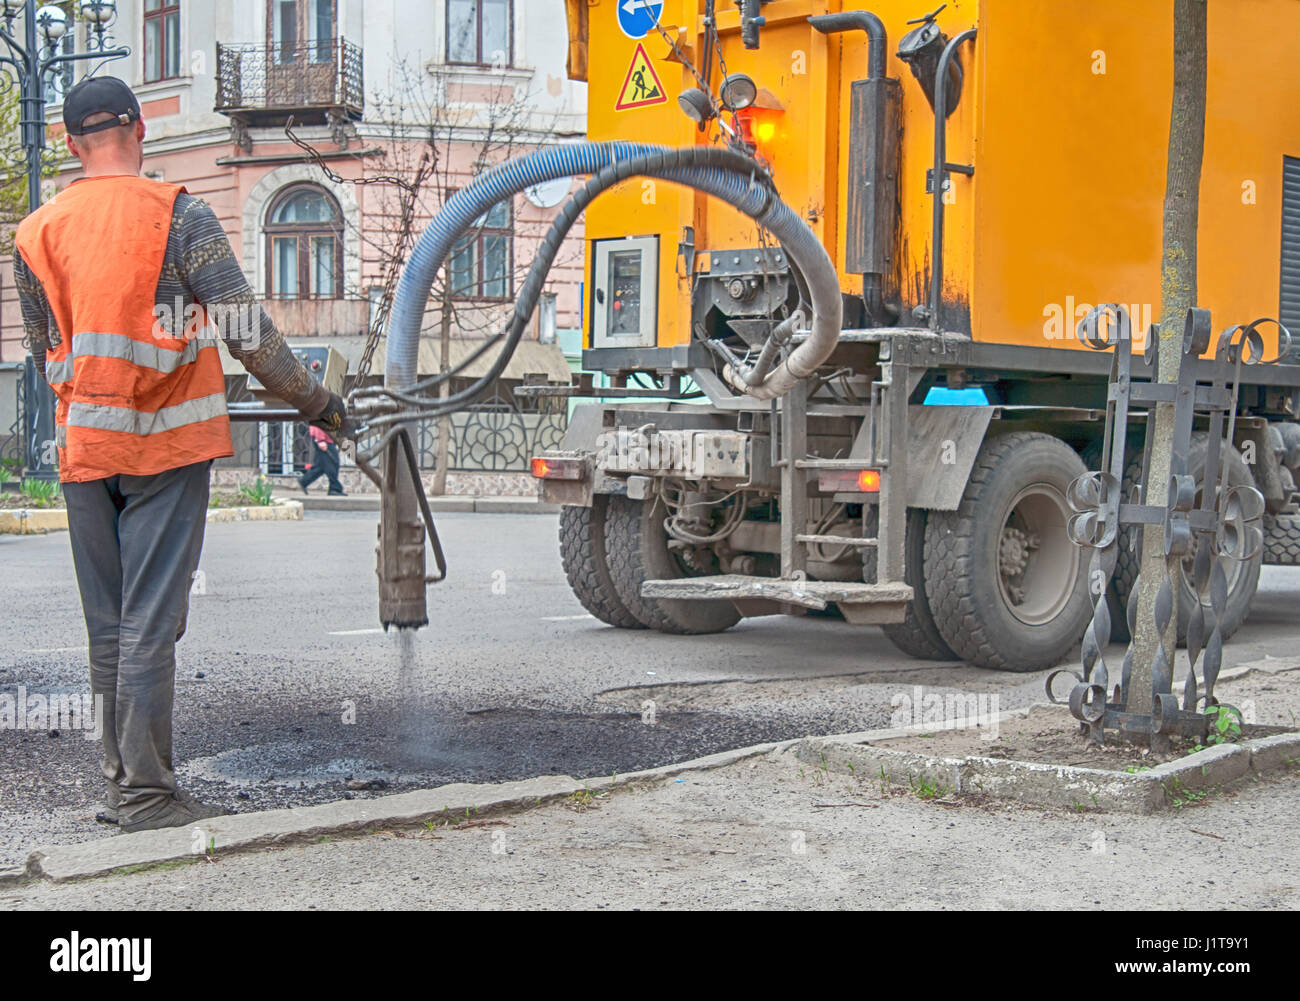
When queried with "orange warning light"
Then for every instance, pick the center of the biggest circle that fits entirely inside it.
(760, 127)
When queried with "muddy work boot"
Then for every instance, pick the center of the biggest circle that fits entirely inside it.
(180, 810)
(106, 813)
(201, 811)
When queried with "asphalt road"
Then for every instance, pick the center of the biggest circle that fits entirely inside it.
(287, 692)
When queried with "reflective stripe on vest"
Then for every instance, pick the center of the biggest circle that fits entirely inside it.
(140, 353)
(131, 402)
(126, 421)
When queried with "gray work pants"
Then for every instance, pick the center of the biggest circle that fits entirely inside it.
(136, 542)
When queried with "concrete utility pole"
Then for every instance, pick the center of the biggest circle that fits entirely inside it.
(1177, 295)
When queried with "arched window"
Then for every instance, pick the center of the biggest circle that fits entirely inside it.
(304, 236)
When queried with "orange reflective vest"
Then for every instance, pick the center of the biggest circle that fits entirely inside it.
(132, 398)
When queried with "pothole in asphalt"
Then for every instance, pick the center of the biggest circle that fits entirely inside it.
(288, 764)
(492, 745)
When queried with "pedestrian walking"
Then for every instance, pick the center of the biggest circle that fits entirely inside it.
(324, 462)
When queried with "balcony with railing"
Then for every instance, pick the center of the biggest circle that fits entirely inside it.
(316, 82)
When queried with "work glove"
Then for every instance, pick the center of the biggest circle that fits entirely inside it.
(336, 423)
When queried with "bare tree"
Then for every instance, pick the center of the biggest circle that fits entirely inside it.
(1177, 295)
(438, 133)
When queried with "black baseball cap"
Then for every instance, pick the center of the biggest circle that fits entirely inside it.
(97, 94)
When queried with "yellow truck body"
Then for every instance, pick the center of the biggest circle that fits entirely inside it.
(869, 484)
(1064, 116)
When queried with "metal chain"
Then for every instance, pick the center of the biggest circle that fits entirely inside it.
(733, 138)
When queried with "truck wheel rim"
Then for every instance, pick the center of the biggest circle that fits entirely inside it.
(1037, 565)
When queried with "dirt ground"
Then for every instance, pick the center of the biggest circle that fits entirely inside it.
(18, 502)
(1269, 703)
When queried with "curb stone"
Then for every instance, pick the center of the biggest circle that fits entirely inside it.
(241, 832)
(438, 505)
(247, 831)
(39, 521)
(1063, 785)
(1067, 786)
(33, 521)
(1276, 753)
(278, 510)
(513, 505)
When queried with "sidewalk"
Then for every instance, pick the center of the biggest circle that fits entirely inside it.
(322, 501)
(763, 833)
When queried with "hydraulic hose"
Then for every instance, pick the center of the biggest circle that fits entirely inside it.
(731, 176)
(737, 188)
(458, 215)
(761, 203)
(722, 173)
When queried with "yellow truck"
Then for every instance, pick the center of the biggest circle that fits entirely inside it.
(981, 175)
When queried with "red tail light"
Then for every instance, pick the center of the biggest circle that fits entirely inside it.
(849, 481)
(549, 468)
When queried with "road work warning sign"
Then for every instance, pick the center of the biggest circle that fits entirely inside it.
(642, 87)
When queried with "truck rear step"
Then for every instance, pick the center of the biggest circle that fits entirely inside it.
(861, 604)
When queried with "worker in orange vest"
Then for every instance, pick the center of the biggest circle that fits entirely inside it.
(119, 278)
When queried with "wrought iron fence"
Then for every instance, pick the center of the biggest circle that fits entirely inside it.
(13, 436)
(496, 436)
(1210, 527)
(27, 437)
(323, 73)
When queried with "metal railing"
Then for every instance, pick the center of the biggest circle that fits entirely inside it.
(327, 73)
(14, 423)
(495, 436)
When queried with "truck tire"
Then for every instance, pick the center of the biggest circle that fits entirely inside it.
(1289, 434)
(1242, 578)
(917, 635)
(582, 552)
(1282, 540)
(636, 546)
(1007, 588)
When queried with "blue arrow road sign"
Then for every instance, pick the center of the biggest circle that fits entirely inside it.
(638, 18)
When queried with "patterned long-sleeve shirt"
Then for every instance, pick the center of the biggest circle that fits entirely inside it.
(199, 269)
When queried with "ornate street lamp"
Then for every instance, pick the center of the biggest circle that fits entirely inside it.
(26, 66)
(98, 12)
(51, 23)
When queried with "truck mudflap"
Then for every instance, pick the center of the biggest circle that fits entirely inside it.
(860, 604)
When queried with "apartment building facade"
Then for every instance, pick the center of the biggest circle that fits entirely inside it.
(394, 104)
